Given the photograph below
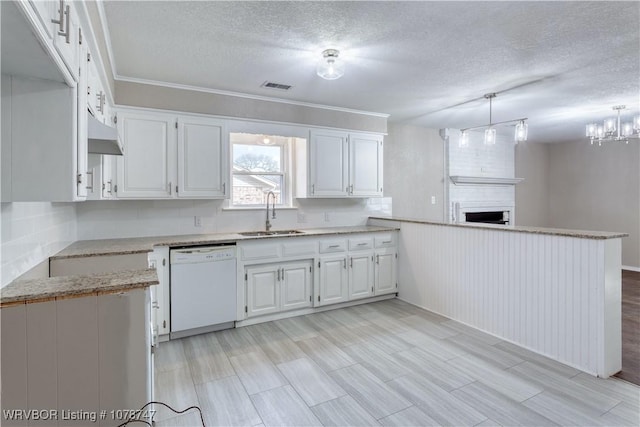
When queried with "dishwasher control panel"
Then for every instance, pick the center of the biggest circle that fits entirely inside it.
(202, 254)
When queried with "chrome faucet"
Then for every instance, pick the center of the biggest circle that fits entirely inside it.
(273, 208)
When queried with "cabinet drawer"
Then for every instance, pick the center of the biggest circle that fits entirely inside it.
(385, 240)
(360, 243)
(260, 251)
(299, 247)
(328, 246)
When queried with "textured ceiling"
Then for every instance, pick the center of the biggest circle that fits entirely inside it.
(426, 63)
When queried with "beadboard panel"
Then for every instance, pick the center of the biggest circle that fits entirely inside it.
(558, 296)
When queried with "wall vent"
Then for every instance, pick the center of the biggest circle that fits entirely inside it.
(279, 86)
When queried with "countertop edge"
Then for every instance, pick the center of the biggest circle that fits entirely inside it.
(580, 234)
(63, 287)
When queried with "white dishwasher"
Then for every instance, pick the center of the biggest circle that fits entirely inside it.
(203, 289)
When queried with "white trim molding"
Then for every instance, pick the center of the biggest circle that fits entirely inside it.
(630, 268)
(458, 179)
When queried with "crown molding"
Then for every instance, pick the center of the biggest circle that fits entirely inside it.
(107, 38)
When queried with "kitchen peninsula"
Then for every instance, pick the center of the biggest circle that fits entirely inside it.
(556, 292)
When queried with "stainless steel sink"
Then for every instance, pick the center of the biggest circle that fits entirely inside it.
(270, 233)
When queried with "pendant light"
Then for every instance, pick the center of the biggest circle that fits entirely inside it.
(613, 129)
(490, 132)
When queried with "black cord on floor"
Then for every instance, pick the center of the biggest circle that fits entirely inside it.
(136, 420)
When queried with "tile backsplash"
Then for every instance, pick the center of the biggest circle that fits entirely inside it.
(33, 231)
(130, 218)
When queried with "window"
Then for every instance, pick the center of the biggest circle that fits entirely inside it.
(260, 165)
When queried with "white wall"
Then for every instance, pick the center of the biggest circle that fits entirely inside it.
(31, 232)
(414, 171)
(532, 194)
(597, 188)
(128, 218)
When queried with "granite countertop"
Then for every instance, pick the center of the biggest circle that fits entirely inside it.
(87, 248)
(582, 234)
(33, 290)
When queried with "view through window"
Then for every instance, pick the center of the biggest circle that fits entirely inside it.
(259, 167)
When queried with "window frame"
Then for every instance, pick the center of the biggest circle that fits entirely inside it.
(286, 161)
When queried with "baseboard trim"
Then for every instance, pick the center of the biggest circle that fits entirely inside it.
(629, 268)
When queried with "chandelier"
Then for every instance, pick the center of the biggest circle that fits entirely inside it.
(613, 129)
(490, 132)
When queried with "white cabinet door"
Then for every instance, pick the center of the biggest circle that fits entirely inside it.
(202, 156)
(148, 166)
(360, 275)
(333, 280)
(385, 271)
(263, 290)
(328, 166)
(47, 10)
(295, 285)
(365, 165)
(159, 259)
(67, 36)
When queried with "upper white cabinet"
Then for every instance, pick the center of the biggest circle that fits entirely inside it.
(202, 158)
(168, 156)
(339, 164)
(67, 34)
(365, 165)
(148, 166)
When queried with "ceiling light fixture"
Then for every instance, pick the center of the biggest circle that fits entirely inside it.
(613, 129)
(522, 128)
(330, 66)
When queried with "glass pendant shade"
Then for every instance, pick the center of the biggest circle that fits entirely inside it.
(600, 132)
(464, 139)
(490, 136)
(626, 129)
(592, 130)
(610, 125)
(521, 131)
(330, 66)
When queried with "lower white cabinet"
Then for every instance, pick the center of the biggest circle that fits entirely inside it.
(159, 259)
(361, 275)
(272, 288)
(333, 280)
(385, 271)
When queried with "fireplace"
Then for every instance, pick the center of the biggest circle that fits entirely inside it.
(483, 212)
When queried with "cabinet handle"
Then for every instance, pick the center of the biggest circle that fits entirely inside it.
(224, 188)
(66, 33)
(110, 190)
(377, 259)
(278, 275)
(170, 189)
(334, 246)
(362, 244)
(386, 242)
(155, 305)
(60, 20)
(90, 187)
(351, 191)
(344, 261)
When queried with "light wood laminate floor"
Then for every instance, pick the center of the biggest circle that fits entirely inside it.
(387, 363)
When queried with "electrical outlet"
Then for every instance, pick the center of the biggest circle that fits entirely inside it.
(327, 217)
(302, 217)
(197, 221)
(433, 200)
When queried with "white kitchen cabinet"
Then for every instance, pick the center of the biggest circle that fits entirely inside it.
(67, 35)
(263, 290)
(159, 259)
(202, 158)
(101, 170)
(328, 163)
(274, 288)
(365, 165)
(385, 271)
(47, 11)
(147, 168)
(334, 285)
(334, 164)
(295, 285)
(361, 272)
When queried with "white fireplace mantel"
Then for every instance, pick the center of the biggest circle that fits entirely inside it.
(458, 179)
